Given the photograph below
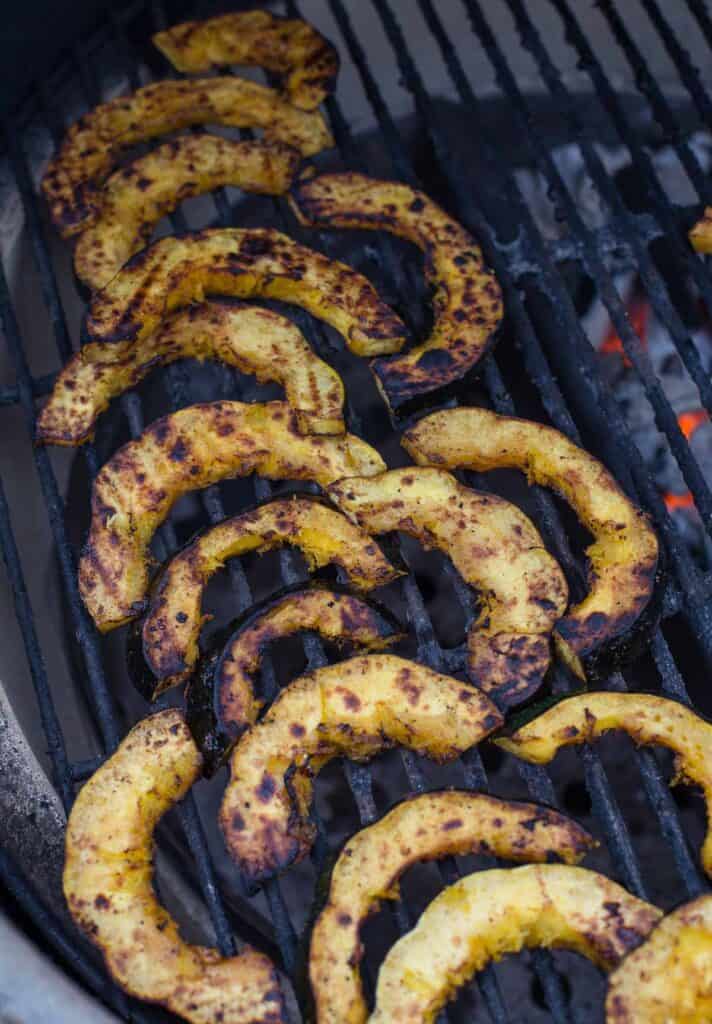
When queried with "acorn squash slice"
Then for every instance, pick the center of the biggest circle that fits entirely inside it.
(647, 719)
(488, 914)
(108, 886)
(289, 47)
(252, 339)
(355, 709)
(701, 234)
(494, 547)
(623, 603)
(467, 300)
(242, 262)
(220, 697)
(422, 828)
(190, 449)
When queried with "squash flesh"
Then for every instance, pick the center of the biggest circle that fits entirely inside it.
(701, 234)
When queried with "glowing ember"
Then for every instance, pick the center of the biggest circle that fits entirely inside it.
(673, 501)
(638, 315)
(690, 421)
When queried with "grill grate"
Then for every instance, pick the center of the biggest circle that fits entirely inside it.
(559, 364)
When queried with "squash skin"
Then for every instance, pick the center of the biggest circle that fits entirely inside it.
(495, 548)
(220, 698)
(241, 262)
(167, 648)
(422, 828)
(185, 451)
(490, 913)
(625, 595)
(252, 339)
(108, 886)
(646, 718)
(93, 145)
(667, 978)
(467, 299)
(137, 196)
(356, 709)
(290, 47)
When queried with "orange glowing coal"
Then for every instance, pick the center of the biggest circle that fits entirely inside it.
(689, 422)
(638, 316)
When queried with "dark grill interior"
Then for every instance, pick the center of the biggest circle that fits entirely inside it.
(464, 153)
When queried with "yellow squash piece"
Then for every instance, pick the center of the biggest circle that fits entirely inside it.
(137, 196)
(242, 262)
(701, 234)
(93, 145)
(190, 449)
(288, 47)
(606, 627)
(354, 709)
(647, 719)
(423, 828)
(494, 547)
(108, 886)
(486, 915)
(467, 300)
(174, 618)
(667, 979)
(253, 340)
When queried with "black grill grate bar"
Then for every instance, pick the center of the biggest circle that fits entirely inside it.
(40, 386)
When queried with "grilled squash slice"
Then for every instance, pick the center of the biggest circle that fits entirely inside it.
(486, 915)
(494, 547)
(667, 979)
(355, 709)
(467, 301)
(622, 605)
(288, 47)
(701, 234)
(108, 886)
(647, 719)
(190, 449)
(135, 197)
(93, 145)
(253, 340)
(422, 828)
(220, 697)
(172, 625)
(174, 272)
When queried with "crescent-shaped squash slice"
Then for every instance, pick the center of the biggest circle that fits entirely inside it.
(422, 828)
(667, 979)
(608, 626)
(93, 145)
(494, 547)
(174, 619)
(242, 262)
(289, 47)
(488, 914)
(190, 449)
(137, 196)
(108, 886)
(354, 709)
(701, 234)
(220, 697)
(467, 300)
(647, 719)
(253, 340)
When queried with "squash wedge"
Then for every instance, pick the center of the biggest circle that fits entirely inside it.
(667, 979)
(172, 625)
(467, 300)
(136, 197)
(608, 627)
(355, 709)
(647, 719)
(242, 262)
(108, 886)
(190, 449)
(93, 145)
(289, 47)
(422, 828)
(494, 547)
(488, 914)
(253, 340)
(220, 696)
(701, 234)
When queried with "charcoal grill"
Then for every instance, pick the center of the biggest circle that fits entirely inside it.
(545, 367)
